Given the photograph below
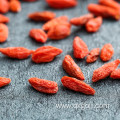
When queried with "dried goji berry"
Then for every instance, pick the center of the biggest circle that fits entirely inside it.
(39, 35)
(93, 55)
(61, 4)
(45, 54)
(72, 68)
(4, 6)
(104, 11)
(93, 25)
(3, 32)
(77, 85)
(59, 31)
(15, 6)
(53, 22)
(106, 52)
(42, 16)
(43, 85)
(80, 48)
(82, 20)
(105, 70)
(4, 81)
(4, 19)
(115, 74)
(16, 52)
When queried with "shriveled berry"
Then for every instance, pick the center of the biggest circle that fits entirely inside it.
(115, 74)
(4, 81)
(4, 6)
(4, 19)
(106, 52)
(77, 85)
(43, 85)
(16, 52)
(105, 70)
(72, 68)
(93, 55)
(45, 54)
(80, 48)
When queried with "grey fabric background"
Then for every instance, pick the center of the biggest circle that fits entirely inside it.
(19, 101)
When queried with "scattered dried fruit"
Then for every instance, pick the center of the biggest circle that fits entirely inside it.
(45, 54)
(43, 85)
(115, 74)
(105, 70)
(107, 52)
(80, 48)
(4, 81)
(4, 6)
(77, 85)
(39, 35)
(16, 52)
(4, 19)
(72, 68)
(93, 55)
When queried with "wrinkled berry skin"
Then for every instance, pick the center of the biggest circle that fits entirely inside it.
(45, 54)
(94, 24)
(77, 85)
(93, 55)
(16, 52)
(106, 52)
(115, 74)
(4, 81)
(43, 85)
(72, 68)
(80, 48)
(105, 70)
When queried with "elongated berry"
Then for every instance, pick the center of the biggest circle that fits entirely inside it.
(4, 19)
(115, 74)
(4, 6)
(4, 81)
(77, 85)
(43, 85)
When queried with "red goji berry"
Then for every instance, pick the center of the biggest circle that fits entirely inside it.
(106, 52)
(4, 6)
(72, 68)
(82, 20)
(93, 55)
(104, 11)
(4, 81)
(61, 4)
(4, 19)
(93, 25)
(3, 32)
(77, 85)
(105, 70)
(43, 85)
(16, 52)
(39, 35)
(45, 54)
(80, 48)
(115, 74)
(53, 22)
(15, 6)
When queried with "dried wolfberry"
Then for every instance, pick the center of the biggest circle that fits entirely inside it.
(45, 54)
(53, 22)
(77, 85)
(4, 6)
(59, 31)
(61, 4)
(4, 81)
(72, 68)
(42, 16)
(80, 48)
(93, 25)
(93, 55)
(39, 35)
(3, 32)
(115, 74)
(82, 20)
(16, 52)
(4, 19)
(15, 6)
(104, 11)
(107, 52)
(105, 70)
(42, 85)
